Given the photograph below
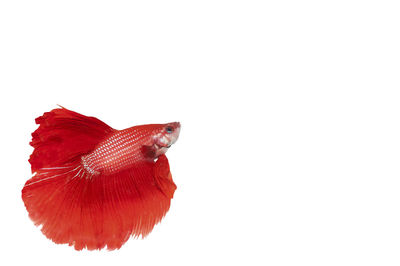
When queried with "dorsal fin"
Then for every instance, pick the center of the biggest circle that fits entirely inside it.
(63, 135)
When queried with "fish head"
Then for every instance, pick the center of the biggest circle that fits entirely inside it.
(163, 136)
(168, 134)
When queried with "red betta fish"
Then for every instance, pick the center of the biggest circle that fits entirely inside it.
(95, 186)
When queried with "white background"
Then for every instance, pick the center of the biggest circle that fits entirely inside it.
(289, 151)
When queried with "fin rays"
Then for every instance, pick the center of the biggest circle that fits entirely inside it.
(94, 212)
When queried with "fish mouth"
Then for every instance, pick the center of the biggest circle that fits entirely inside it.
(160, 147)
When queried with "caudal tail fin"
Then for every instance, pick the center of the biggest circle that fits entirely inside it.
(86, 211)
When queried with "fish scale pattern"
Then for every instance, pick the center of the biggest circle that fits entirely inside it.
(119, 151)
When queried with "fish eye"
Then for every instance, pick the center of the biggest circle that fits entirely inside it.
(169, 129)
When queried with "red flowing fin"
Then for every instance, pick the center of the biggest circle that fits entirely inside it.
(149, 151)
(163, 177)
(97, 211)
(64, 135)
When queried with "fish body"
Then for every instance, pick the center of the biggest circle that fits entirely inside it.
(94, 186)
(125, 148)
